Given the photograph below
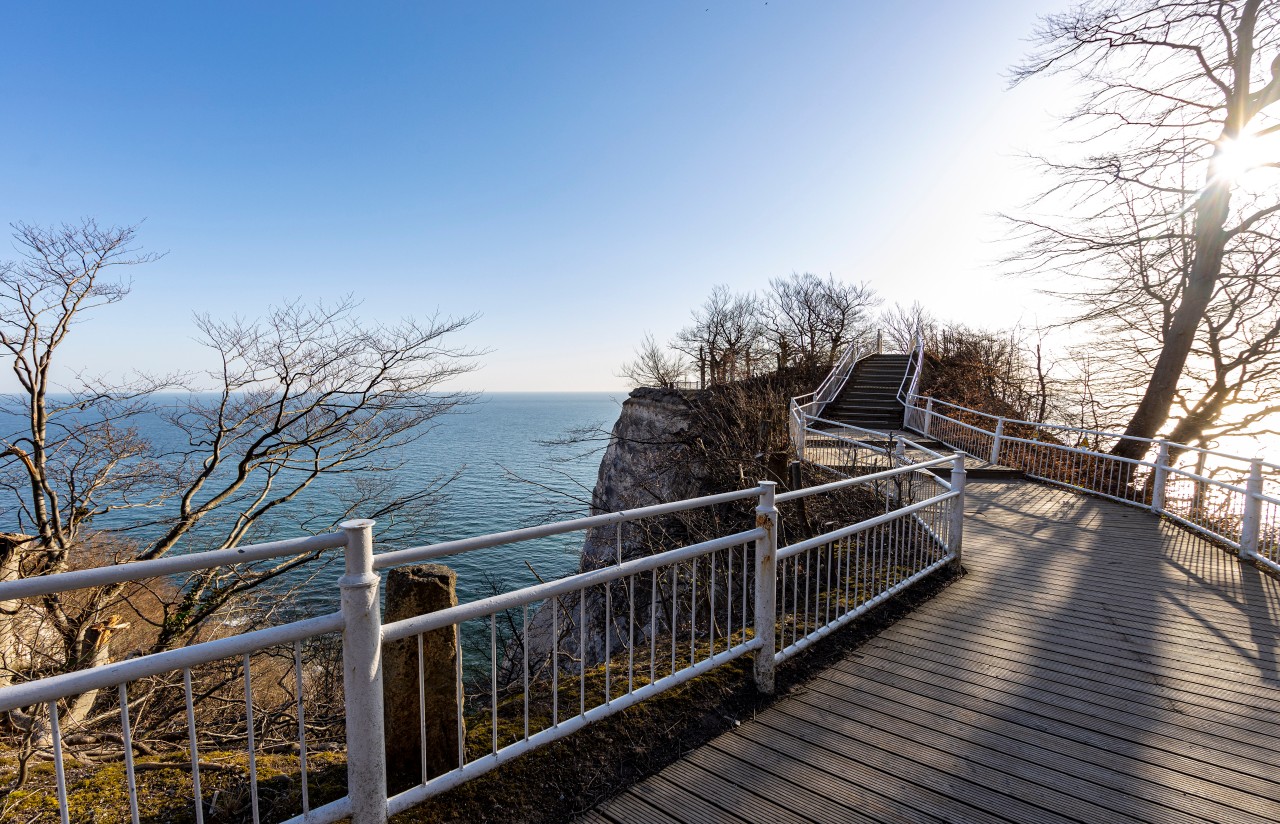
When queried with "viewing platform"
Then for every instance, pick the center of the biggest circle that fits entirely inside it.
(1095, 664)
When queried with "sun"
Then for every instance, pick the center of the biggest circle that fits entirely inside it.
(1235, 158)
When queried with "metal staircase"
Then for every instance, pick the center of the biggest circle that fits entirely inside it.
(869, 398)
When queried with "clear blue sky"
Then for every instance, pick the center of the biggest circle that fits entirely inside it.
(578, 173)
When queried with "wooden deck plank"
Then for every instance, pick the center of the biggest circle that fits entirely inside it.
(1002, 794)
(1173, 629)
(791, 784)
(1095, 664)
(1115, 674)
(1063, 704)
(916, 801)
(1099, 657)
(1115, 766)
(1176, 651)
(733, 797)
(1052, 779)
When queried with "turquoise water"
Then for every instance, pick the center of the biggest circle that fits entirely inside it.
(503, 431)
(498, 435)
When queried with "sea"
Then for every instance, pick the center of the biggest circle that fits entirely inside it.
(515, 470)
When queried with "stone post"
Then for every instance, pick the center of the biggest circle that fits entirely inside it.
(412, 591)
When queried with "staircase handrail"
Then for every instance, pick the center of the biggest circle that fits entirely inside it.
(799, 409)
(915, 359)
(839, 374)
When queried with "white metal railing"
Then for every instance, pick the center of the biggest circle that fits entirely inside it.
(659, 620)
(1227, 497)
(835, 577)
(810, 405)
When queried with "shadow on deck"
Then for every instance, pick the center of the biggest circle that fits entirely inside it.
(1094, 665)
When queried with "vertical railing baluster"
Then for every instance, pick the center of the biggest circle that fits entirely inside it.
(59, 769)
(808, 574)
(193, 745)
(582, 652)
(728, 600)
(126, 735)
(524, 643)
(675, 582)
(253, 759)
(631, 633)
(555, 662)
(493, 677)
(608, 636)
(653, 625)
(422, 710)
(711, 620)
(459, 696)
(693, 613)
(302, 720)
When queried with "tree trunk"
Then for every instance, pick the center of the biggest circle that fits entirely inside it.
(1153, 410)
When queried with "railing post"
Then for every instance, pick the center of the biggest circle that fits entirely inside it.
(1161, 477)
(955, 531)
(880, 342)
(996, 441)
(928, 415)
(362, 677)
(766, 587)
(1251, 525)
(799, 423)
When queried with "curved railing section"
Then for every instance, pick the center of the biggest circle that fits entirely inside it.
(654, 622)
(1230, 498)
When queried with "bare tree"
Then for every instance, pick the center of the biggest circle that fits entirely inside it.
(1179, 104)
(901, 325)
(810, 320)
(307, 392)
(725, 336)
(654, 366)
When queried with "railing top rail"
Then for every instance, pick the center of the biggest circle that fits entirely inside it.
(906, 442)
(915, 364)
(1075, 450)
(169, 565)
(54, 687)
(551, 589)
(440, 550)
(1102, 432)
(863, 526)
(782, 497)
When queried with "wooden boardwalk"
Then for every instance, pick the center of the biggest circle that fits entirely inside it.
(1094, 665)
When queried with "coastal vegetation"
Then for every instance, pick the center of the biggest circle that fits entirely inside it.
(306, 394)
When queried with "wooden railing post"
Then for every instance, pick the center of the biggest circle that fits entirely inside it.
(1161, 477)
(362, 677)
(996, 442)
(766, 587)
(955, 531)
(1251, 525)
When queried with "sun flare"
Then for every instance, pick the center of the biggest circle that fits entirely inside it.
(1235, 158)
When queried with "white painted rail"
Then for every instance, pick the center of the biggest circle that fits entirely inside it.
(657, 621)
(1230, 498)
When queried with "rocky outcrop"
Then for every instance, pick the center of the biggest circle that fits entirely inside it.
(648, 461)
